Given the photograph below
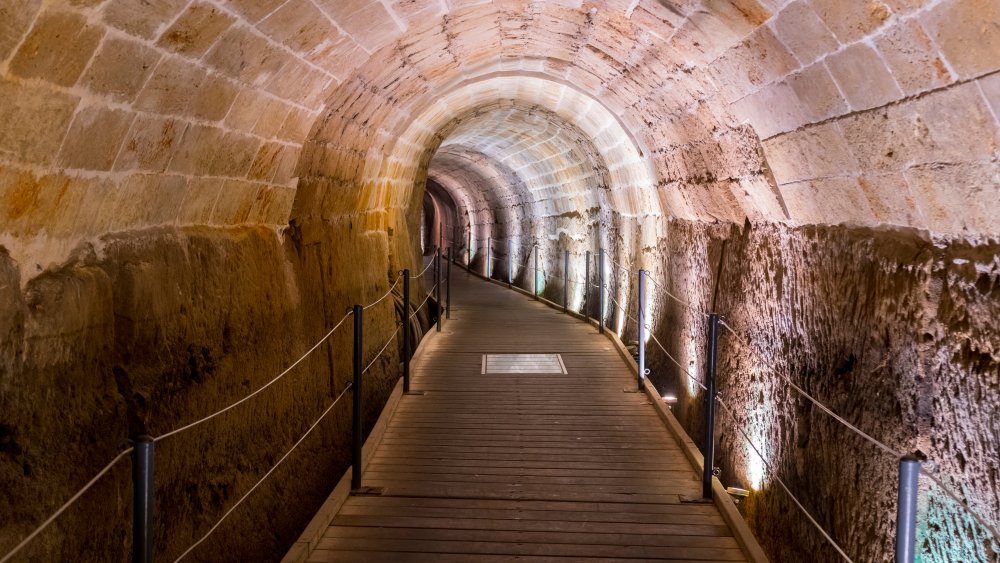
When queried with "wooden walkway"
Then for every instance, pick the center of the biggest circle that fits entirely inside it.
(534, 467)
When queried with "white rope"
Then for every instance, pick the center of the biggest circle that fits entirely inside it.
(259, 390)
(382, 351)
(418, 307)
(387, 293)
(66, 505)
(266, 475)
(424, 271)
(770, 470)
(815, 401)
(664, 289)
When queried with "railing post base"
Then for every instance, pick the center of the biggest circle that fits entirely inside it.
(709, 445)
(356, 441)
(906, 510)
(142, 499)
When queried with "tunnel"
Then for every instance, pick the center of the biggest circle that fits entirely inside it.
(194, 192)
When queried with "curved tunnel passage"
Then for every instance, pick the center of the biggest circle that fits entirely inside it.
(202, 185)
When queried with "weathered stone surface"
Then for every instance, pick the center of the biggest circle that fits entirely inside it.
(150, 143)
(16, 17)
(968, 34)
(120, 69)
(57, 49)
(863, 77)
(35, 121)
(632, 126)
(95, 138)
(196, 29)
(141, 18)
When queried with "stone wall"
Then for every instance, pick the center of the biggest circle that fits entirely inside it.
(143, 332)
(892, 329)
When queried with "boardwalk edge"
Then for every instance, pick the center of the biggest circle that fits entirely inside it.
(300, 551)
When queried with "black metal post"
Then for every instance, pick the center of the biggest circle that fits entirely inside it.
(356, 443)
(534, 287)
(447, 307)
(489, 257)
(406, 331)
(642, 328)
(709, 446)
(600, 289)
(566, 281)
(586, 288)
(510, 263)
(142, 499)
(469, 250)
(437, 288)
(906, 510)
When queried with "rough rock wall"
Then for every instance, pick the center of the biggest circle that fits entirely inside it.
(147, 331)
(893, 330)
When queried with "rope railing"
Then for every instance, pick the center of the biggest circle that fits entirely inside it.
(387, 293)
(777, 478)
(927, 467)
(48, 521)
(382, 351)
(266, 475)
(260, 389)
(76, 496)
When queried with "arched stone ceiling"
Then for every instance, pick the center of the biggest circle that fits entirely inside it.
(121, 114)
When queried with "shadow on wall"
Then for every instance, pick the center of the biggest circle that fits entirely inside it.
(157, 328)
(894, 331)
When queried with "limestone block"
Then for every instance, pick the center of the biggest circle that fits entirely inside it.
(214, 98)
(890, 200)
(960, 123)
(814, 152)
(912, 58)
(15, 19)
(94, 138)
(990, 86)
(266, 162)
(254, 10)
(150, 143)
(196, 29)
(863, 77)
(35, 120)
(57, 49)
(773, 110)
(172, 89)
(368, 22)
(235, 155)
(120, 69)
(199, 201)
(659, 18)
(767, 59)
(272, 205)
(244, 56)
(301, 26)
(198, 149)
(740, 16)
(851, 21)
(827, 201)
(235, 202)
(968, 33)
(817, 93)
(418, 13)
(245, 110)
(906, 6)
(141, 17)
(148, 199)
(803, 32)
(959, 198)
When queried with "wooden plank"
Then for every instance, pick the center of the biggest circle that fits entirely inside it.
(537, 467)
